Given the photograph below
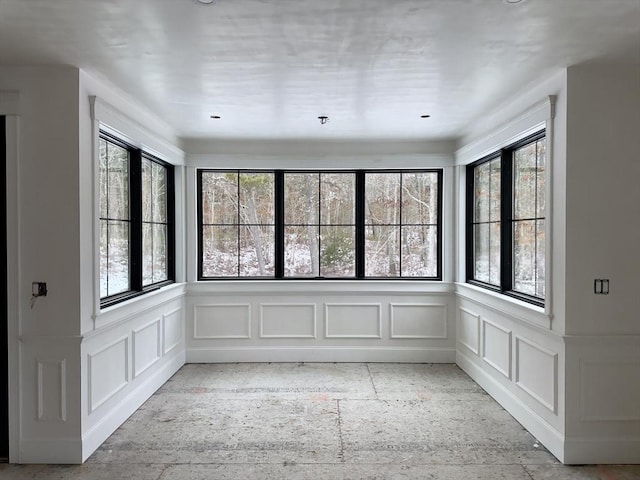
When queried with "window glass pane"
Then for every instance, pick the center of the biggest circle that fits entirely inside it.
(541, 179)
(419, 251)
(481, 185)
(160, 250)
(494, 253)
(147, 253)
(301, 198)
(382, 198)
(147, 190)
(219, 251)
(481, 255)
(104, 258)
(117, 257)
(524, 257)
(117, 182)
(257, 251)
(540, 258)
(256, 198)
(494, 190)
(103, 179)
(337, 198)
(219, 198)
(382, 251)
(524, 182)
(419, 198)
(337, 253)
(301, 252)
(159, 192)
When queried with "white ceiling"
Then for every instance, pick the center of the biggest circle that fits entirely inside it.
(270, 67)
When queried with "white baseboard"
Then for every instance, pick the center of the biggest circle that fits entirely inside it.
(321, 354)
(54, 450)
(117, 415)
(611, 451)
(553, 440)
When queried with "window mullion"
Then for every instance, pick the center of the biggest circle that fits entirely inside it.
(135, 189)
(506, 225)
(360, 230)
(279, 223)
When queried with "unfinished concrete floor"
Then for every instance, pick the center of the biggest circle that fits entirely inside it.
(321, 421)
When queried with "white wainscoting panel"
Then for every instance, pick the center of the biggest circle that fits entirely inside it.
(609, 391)
(353, 320)
(146, 347)
(537, 372)
(469, 330)
(171, 330)
(108, 372)
(52, 390)
(418, 320)
(287, 320)
(222, 321)
(496, 347)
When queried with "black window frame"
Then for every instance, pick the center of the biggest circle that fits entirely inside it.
(136, 156)
(506, 156)
(279, 215)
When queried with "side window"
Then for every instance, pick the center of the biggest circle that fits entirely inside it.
(136, 221)
(506, 220)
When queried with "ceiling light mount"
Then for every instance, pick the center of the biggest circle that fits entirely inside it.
(323, 119)
(215, 117)
(204, 2)
(425, 116)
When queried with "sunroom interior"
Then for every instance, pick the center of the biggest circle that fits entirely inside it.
(83, 358)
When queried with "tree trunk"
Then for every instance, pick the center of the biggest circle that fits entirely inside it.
(255, 232)
(312, 229)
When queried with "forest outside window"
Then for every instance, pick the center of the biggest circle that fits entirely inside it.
(136, 221)
(506, 220)
(319, 224)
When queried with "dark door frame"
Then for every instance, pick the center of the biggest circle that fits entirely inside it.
(4, 323)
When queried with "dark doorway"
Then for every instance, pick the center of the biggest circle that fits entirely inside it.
(4, 347)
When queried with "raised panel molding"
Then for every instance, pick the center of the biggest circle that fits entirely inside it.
(222, 321)
(496, 347)
(418, 320)
(52, 390)
(108, 372)
(171, 330)
(469, 330)
(146, 347)
(353, 320)
(609, 390)
(287, 320)
(537, 372)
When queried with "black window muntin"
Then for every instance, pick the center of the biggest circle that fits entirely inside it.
(280, 223)
(506, 156)
(135, 218)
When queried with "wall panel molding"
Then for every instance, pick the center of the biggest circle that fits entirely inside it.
(536, 372)
(496, 347)
(108, 372)
(222, 321)
(52, 389)
(172, 330)
(288, 320)
(146, 346)
(418, 320)
(353, 320)
(469, 330)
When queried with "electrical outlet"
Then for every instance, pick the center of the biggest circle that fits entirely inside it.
(39, 289)
(601, 286)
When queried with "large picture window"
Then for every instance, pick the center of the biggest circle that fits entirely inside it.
(136, 221)
(506, 220)
(319, 224)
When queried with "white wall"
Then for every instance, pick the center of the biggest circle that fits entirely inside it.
(603, 235)
(72, 383)
(515, 350)
(272, 320)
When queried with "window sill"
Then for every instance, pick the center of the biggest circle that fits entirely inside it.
(134, 306)
(520, 310)
(325, 287)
